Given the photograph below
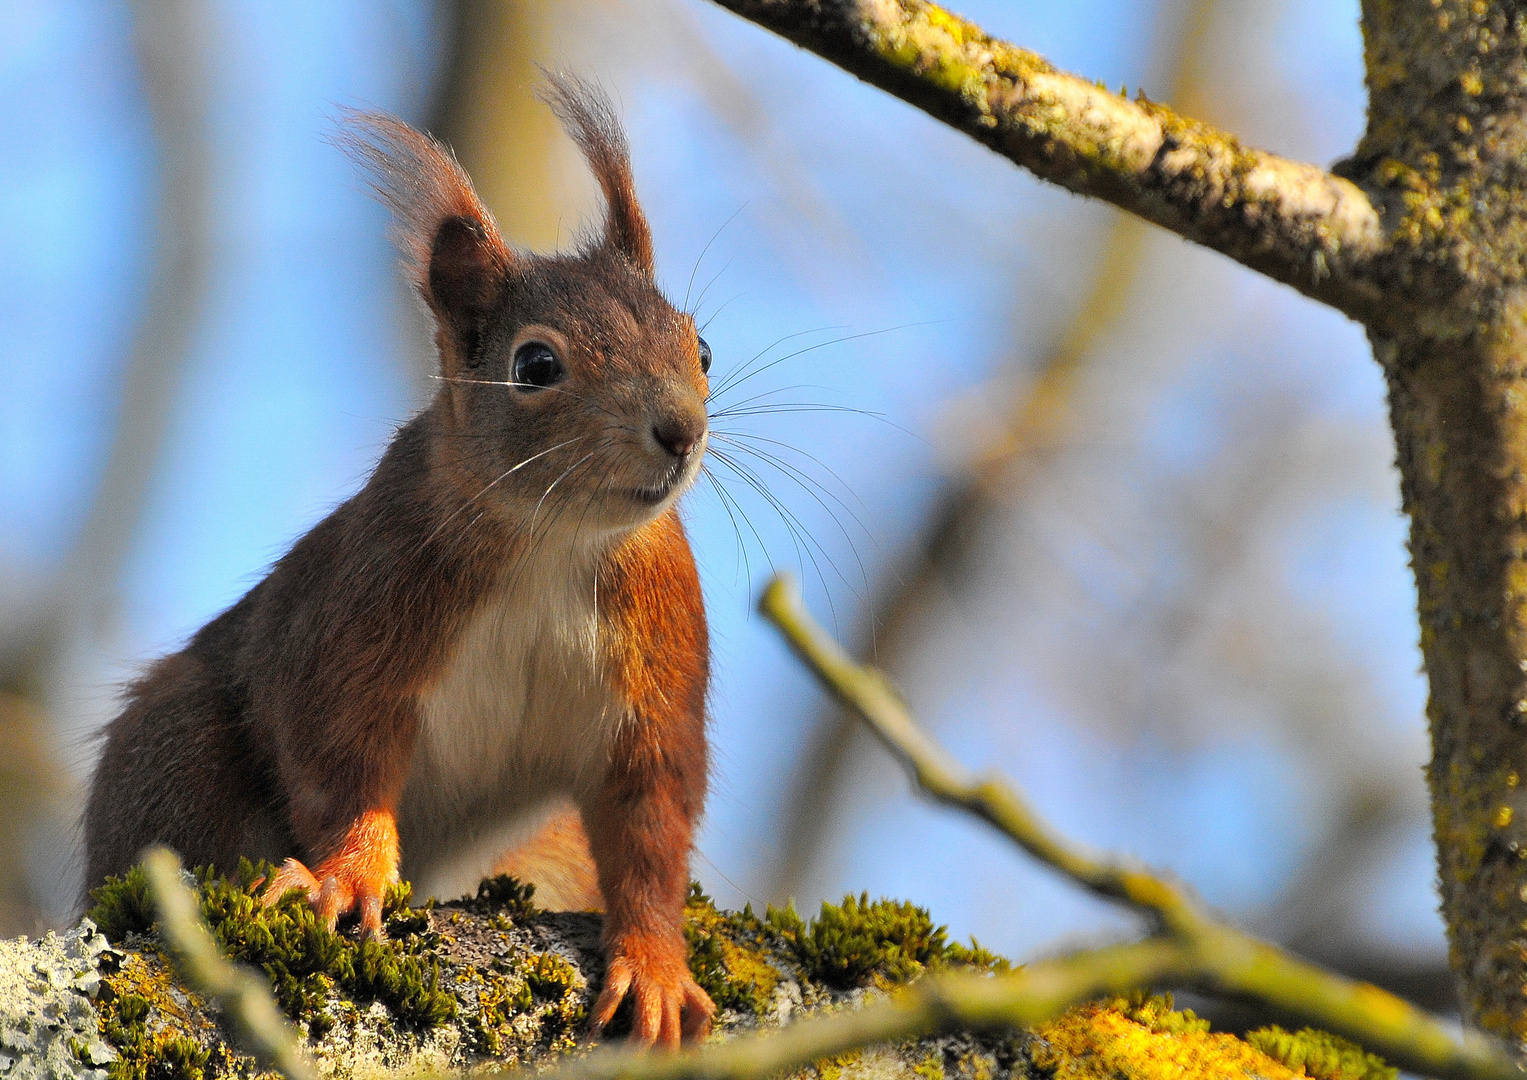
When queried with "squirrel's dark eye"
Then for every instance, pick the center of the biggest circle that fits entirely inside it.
(535, 366)
(704, 356)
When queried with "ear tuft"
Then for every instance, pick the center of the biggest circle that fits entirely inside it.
(451, 247)
(590, 120)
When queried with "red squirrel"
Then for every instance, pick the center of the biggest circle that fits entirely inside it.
(506, 617)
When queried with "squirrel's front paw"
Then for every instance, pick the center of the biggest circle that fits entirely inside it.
(668, 1002)
(353, 879)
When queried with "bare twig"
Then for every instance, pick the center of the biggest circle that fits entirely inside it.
(243, 994)
(1204, 953)
(171, 41)
(1289, 220)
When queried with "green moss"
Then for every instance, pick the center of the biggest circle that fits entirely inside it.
(1156, 1012)
(1321, 1055)
(500, 892)
(728, 954)
(398, 917)
(122, 905)
(305, 961)
(859, 941)
(975, 955)
(410, 990)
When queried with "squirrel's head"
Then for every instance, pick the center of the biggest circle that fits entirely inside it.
(572, 390)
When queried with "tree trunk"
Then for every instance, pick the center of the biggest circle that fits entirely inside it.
(1442, 156)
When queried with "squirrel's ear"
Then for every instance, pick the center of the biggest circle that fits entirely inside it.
(588, 116)
(451, 246)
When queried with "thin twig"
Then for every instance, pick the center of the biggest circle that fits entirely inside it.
(243, 994)
(1219, 958)
(1292, 221)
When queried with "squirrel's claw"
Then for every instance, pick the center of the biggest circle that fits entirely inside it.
(669, 1004)
(334, 890)
(292, 875)
(697, 1011)
(352, 879)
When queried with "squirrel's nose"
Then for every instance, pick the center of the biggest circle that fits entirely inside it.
(678, 435)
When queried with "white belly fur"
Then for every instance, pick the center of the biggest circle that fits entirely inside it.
(519, 720)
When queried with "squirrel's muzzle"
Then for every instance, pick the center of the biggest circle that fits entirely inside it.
(679, 434)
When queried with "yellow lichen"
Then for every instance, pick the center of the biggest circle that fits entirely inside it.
(1098, 1042)
(832, 1068)
(939, 46)
(930, 1067)
(159, 1030)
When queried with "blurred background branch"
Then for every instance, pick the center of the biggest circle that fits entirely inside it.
(487, 111)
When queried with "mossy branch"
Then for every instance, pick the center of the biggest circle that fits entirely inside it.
(1193, 948)
(1292, 221)
(243, 995)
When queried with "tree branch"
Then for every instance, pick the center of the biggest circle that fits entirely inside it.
(171, 44)
(1195, 950)
(1292, 221)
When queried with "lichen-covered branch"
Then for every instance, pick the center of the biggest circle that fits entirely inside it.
(1206, 954)
(1289, 220)
(243, 995)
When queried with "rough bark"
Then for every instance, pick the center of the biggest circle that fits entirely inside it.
(1443, 152)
